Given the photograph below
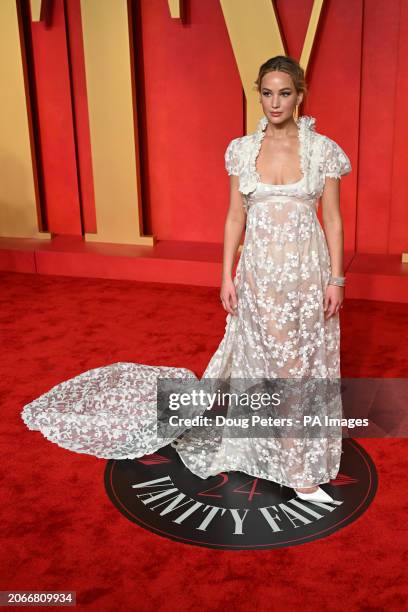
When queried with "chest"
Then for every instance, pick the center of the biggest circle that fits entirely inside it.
(278, 161)
(288, 165)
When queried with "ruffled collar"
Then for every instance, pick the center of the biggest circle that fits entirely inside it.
(305, 125)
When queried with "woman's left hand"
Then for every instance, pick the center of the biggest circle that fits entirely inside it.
(333, 300)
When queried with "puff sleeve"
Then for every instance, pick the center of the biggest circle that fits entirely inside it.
(232, 158)
(336, 163)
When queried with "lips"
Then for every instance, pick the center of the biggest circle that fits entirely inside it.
(275, 114)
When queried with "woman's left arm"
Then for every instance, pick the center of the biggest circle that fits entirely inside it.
(333, 229)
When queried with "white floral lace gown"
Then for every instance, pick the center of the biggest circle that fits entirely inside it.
(279, 332)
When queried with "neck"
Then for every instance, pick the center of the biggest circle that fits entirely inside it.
(284, 129)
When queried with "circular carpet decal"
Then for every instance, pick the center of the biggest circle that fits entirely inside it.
(234, 510)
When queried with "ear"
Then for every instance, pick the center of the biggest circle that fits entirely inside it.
(300, 98)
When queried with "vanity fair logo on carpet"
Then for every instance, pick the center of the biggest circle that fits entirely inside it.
(234, 510)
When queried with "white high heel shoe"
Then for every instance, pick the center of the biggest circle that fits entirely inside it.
(319, 496)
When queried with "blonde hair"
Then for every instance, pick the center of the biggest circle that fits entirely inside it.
(287, 64)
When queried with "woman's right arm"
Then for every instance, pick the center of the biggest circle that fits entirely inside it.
(234, 225)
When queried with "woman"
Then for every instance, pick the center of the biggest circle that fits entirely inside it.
(283, 309)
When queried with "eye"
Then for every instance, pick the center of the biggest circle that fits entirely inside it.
(284, 93)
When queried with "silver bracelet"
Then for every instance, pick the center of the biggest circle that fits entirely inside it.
(340, 281)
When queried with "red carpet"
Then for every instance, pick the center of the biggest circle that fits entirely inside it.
(61, 532)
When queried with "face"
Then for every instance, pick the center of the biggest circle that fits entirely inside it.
(278, 95)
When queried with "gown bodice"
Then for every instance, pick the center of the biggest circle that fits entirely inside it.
(294, 192)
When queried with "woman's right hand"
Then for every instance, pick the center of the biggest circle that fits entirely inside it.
(229, 297)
